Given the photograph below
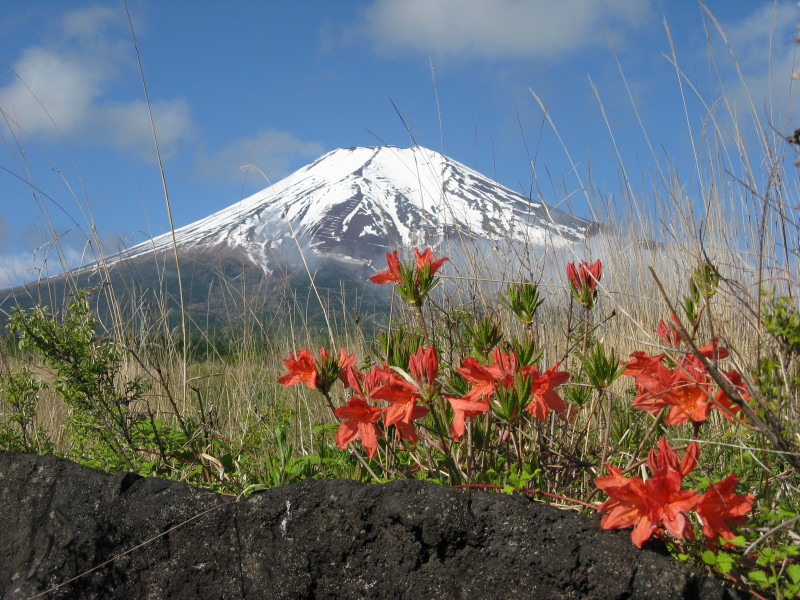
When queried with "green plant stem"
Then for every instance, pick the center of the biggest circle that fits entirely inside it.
(424, 326)
(586, 325)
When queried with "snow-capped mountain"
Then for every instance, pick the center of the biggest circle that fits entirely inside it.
(353, 204)
(328, 226)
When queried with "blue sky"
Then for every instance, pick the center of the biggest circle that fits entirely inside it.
(276, 84)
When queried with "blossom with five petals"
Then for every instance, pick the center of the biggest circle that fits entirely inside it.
(462, 409)
(648, 505)
(392, 274)
(544, 397)
(303, 368)
(719, 508)
(359, 418)
(485, 378)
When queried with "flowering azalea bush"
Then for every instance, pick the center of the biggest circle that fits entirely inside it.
(471, 404)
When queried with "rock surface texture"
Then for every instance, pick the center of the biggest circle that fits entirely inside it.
(314, 539)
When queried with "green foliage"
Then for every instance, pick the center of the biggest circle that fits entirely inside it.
(284, 466)
(482, 334)
(601, 368)
(526, 352)
(396, 347)
(703, 285)
(509, 403)
(578, 393)
(781, 319)
(102, 425)
(523, 300)
(19, 392)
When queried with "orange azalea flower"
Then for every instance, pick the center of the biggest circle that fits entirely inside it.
(406, 430)
(424, 367)
(642, 364)
(392, 274)
(719, 508)
(543, 387)
(682, 389)
(664, 457)
(358, 425)
(304, 368)
(584, 275)
(480, 377)
(346, 364)
(413, 282)
(650, 504)
(667, 503)
(626, 504)
(713, 350)
(318, 374)
(402, 395)
(463, 408)
(485, 378)
(426, 260)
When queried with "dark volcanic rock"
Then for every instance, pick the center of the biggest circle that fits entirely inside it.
(315, 539)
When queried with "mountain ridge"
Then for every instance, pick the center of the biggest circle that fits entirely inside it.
(353, 204)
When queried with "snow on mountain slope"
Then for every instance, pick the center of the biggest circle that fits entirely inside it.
(355, 203)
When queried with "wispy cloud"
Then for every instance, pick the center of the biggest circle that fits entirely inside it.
(497, 29)
(755, 68)
(18, 268)
(66, 86)
(271, 151)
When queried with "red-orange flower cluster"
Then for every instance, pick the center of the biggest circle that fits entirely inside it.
(317, 374)
(687, 389)
(661, 503)
(501, 373)
(413, 282)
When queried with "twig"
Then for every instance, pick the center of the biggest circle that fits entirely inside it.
(768, 429)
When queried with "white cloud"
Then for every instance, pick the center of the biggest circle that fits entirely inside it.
(65, 86)
(18, 268)
(87, 24)
(126, 126)
(763, 45)
(498, 28)
(273, 152)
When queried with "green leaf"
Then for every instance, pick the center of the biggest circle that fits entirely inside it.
(759, 577)
(709, 557)
(793, 572)
(724, 562)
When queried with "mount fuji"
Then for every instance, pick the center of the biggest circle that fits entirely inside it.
(338, 216)
(354, 204)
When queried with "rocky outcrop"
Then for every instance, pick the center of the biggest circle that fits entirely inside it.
(67, 531)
